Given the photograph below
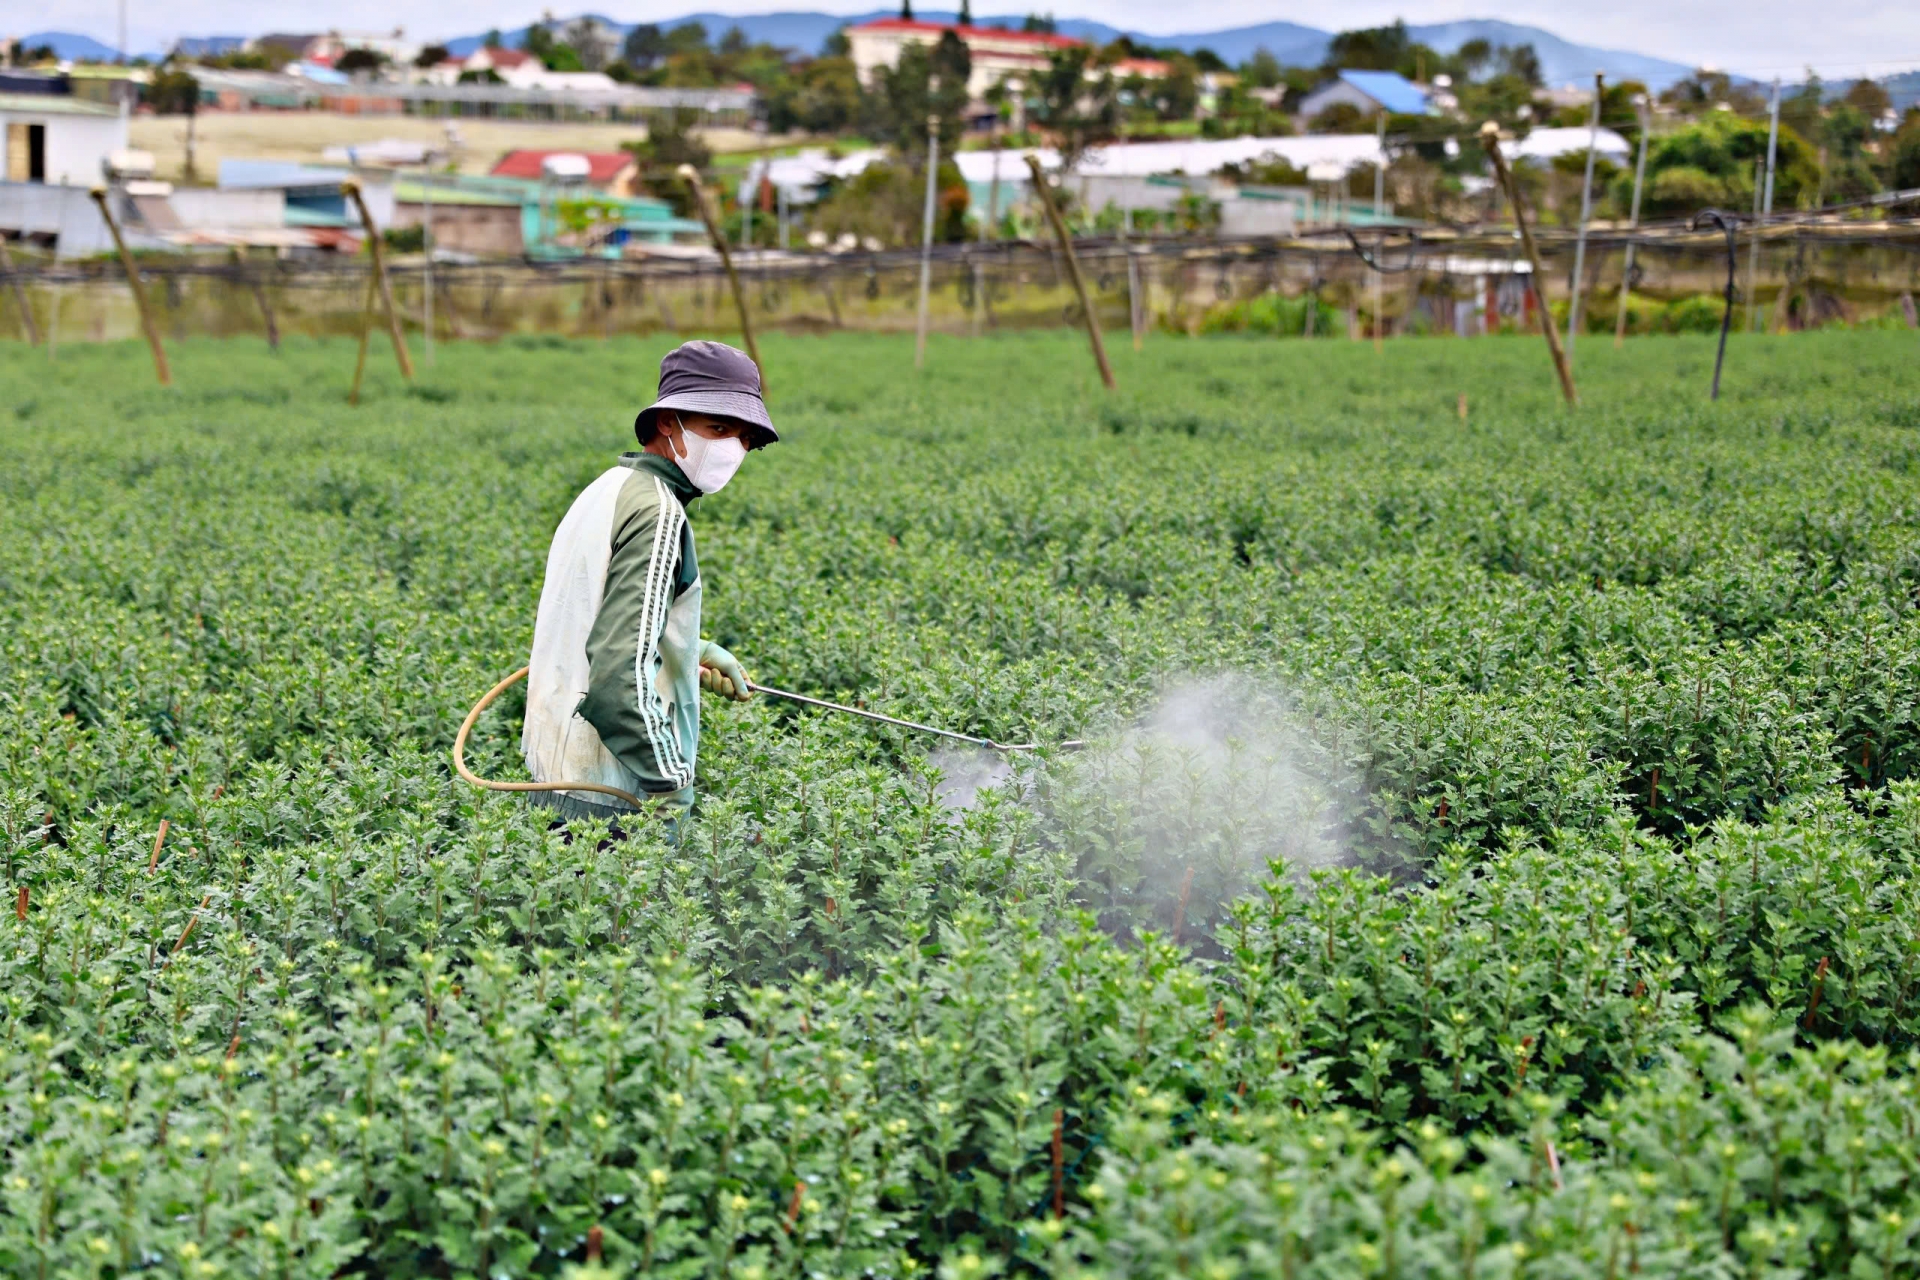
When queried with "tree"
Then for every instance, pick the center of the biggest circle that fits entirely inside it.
(687, 38)
(837, 45)
(1341, 117)
(1262, 70)
(1473, 58)
(1522, 62)
(1078, 103)
(1803, 109)
(1368, 48)
(432, 56)
(928, 80)
(174, 92)
(492, 40)
(591, 44)
(1040, 24)
(1869, 98)
(644, 48)
(906, 10)
(356, 60)
(966, 13)
(820, 96)
(1903, 161)
(734, 42)
(1845, 135)
(1711, 162)
(670, 143)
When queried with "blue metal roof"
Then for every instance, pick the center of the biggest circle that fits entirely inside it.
(280, 173)
(1390, 89)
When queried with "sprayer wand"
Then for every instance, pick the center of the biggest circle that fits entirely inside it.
(893, 720)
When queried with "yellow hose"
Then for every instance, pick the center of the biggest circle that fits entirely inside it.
(460, 755)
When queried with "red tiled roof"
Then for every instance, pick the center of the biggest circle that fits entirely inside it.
(982, 33)
(506, 57)
(602, 166)
(1142, 67)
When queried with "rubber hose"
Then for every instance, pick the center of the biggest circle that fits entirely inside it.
(460, 755)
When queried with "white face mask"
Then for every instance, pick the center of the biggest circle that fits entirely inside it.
(708, 464)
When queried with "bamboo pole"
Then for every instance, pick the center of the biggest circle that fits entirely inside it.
(351, 190)
(1633, 225)
(1586, 213)
(711, 216)
(1490, 138)
(1073, 267)
(27, 322)
(139, 291)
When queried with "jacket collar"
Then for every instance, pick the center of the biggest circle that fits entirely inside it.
(675, 478)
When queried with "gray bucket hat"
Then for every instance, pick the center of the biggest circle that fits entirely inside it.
(711, 378)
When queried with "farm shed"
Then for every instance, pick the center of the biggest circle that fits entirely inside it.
(485, 223)
(1367, 92)
(58, 139)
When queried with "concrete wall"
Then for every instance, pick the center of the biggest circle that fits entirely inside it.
(488, 230)
(215, 208)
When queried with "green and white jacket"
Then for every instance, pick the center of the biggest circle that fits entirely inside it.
(613, 690)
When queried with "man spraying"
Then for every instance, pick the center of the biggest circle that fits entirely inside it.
(618, 662)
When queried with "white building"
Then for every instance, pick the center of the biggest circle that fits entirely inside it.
(996, 54)
(56, 139)
(1546, 144)
(391, 45)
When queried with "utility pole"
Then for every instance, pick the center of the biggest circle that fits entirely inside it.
(1764, 206)
(1633, 224)
(926, 240)
(1490, 138)
(1586, 211)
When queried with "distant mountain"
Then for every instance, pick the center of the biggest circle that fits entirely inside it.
(1561, 61)
(1904, 89)
(69, 45)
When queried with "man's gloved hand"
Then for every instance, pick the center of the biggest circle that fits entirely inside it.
(721, 673)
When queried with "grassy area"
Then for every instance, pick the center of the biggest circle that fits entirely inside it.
(304, 136)
(1494, 848)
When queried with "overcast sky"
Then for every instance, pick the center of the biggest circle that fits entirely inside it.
(1761, 37)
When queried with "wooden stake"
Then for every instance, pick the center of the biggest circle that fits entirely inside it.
(1073, 267)
(158, 841)
(710, 215)
(20, 905)
(188, 931)
(1059, 1163)
(139, 292)
(352, 191)
(1490, 138)
(1463, 406)
(360, 360)
(27, 322)
(1633, 225)
(260, 299)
